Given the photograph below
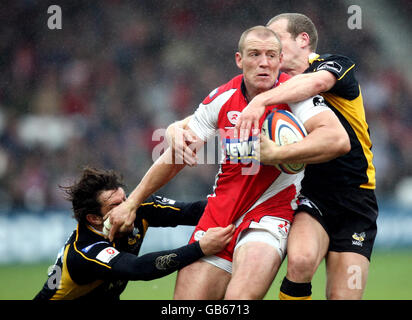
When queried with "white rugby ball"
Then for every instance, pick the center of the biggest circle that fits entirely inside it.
(282, 127)
(106, 227)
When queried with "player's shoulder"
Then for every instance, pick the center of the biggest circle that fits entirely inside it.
(90, 258)
(335, 63)
(330, 57)
(342, 67)
(88, 244)
(225, 89)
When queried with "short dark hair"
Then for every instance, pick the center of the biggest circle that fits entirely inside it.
(298, 23)
(84, 193)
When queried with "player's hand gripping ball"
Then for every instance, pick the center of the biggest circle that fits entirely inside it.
(284, 128)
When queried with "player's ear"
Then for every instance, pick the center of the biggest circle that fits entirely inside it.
(94, 219)
(280, 57)
(238, 58)
(303, 39)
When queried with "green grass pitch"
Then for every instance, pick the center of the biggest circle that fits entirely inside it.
(389, 278)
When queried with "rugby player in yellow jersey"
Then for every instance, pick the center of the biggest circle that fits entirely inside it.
(336, 219)
(89, 266)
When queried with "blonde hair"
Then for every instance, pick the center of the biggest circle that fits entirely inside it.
(262, 32)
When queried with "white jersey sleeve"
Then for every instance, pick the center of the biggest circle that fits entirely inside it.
(204, 121)
(306, 109)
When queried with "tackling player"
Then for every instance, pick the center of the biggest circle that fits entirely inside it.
(90, 267)
(261, 205)
(337, 215)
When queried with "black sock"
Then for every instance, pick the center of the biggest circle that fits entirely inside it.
(290, 290)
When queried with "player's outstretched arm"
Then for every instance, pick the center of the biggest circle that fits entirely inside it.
(160, 173)
(122, 217)
(296, 89)
(162, 212)
(159, 264)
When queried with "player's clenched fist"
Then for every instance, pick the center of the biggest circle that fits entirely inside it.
(119, 219)
(216, 239)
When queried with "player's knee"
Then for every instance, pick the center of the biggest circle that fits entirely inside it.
(301, 267)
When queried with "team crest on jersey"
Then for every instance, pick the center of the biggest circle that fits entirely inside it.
(233, 116)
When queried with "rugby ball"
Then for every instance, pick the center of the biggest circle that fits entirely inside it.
(282, 127)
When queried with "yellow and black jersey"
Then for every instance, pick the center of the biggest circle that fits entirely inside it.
(354, 169)
(89, 266)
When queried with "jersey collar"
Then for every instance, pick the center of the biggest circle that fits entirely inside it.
(243, 86)
(100, 233)
(312, 57)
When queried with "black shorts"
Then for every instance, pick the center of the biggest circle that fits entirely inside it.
(348, 217)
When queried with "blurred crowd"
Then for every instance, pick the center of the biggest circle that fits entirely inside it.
(94, 92)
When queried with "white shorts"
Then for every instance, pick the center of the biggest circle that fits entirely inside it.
(267, 230)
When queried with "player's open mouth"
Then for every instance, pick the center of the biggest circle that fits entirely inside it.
(263, 75)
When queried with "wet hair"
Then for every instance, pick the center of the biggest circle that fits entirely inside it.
(263, 32)
(298, 23)
(85, 192)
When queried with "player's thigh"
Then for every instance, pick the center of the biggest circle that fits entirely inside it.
(201, 281)
(255, 265)
(347, 273)
(307, 245)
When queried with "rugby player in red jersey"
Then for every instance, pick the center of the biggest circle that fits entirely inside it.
(259, 202)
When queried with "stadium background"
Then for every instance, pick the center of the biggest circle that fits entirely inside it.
(94, 92)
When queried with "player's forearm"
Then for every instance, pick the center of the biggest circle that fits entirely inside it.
(159, 174)
(157, 264)
(322, 145)
(296, 89)
(163, 215)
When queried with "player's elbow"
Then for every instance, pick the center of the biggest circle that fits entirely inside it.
(342, 144)
(322, 81)
(320, 85)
